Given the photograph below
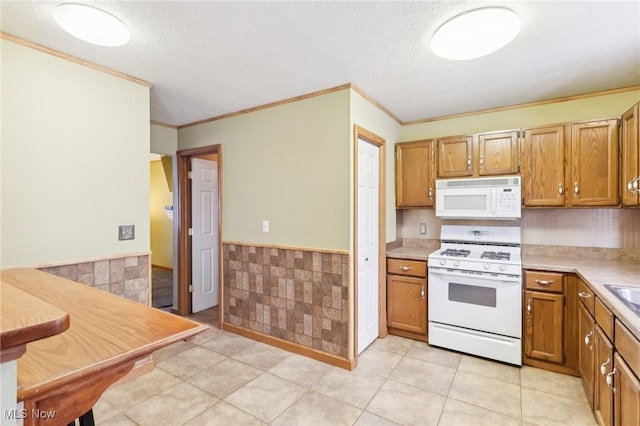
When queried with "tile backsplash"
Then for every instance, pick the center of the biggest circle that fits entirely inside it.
(605, 228)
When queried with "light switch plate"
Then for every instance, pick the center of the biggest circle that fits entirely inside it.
(423, 229)
(126, 232)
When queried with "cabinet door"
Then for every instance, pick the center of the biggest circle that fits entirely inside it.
(602, 393)
(415, 174)
(585, 354)
(543, 167)
(407, 303)
(630, 145)
(455, 156)
(498, 153)
(544, 326)
(594, 162)
(627, 394)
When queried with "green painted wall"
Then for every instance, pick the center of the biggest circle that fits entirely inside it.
(288, 164)
(75, 160)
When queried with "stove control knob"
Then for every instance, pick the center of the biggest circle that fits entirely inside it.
(456, 263)
(486, 266)
(443, 262)
(503, 268)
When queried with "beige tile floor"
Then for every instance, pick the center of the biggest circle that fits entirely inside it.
(224, 379)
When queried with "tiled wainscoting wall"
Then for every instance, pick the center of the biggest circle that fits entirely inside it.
(297, 295)
(123, 276)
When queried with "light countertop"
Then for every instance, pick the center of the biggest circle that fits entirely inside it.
(596, 273)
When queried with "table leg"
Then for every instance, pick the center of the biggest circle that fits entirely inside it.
(87, 419)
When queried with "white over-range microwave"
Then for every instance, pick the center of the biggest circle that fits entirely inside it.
(479, 198)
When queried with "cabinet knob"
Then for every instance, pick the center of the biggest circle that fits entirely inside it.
(481, 160)
(406, 268)
(560, 189)
(584, 295)
(528, 306)
(545, 283)
(430, 193)
(469, 161)
(575, 188)
(422, 292)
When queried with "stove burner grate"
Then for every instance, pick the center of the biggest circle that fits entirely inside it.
(455, 252)
(492, 255)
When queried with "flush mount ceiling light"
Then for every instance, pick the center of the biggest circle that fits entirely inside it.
(475, 33)
(91, 25)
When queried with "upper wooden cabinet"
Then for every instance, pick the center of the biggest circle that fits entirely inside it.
(594, 163)
(455, 156)
(543, 171)
(415, 174)
(498, 153)
(630, 158)
(485, 154)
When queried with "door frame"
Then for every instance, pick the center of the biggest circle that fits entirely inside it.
(372, 138)
(184, 223)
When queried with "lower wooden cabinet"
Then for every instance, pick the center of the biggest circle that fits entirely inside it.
(586, 327)
(544, 326)
(602, 391)
(550, 331)
(407, 298)
(609, 362)
(627, 395)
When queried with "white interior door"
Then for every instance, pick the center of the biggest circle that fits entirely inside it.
(204, 242)
(367, 259)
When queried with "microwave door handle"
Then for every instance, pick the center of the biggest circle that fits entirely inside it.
(491, 200)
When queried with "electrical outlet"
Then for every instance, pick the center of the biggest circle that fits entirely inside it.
(265, 226)
(126, 232)
(423, 229)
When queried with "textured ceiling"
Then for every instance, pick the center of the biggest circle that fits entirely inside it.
(206, 59)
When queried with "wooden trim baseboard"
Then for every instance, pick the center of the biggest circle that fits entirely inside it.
(290, 346)
(73, 59)
(284, 247)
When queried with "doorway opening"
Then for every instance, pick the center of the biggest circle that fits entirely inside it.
(369, 239)
(198, 228)
(161, 231)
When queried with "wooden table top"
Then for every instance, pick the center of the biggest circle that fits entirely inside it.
(24, 319)
(105, 330)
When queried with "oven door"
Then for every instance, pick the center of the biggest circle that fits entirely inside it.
(479, 302)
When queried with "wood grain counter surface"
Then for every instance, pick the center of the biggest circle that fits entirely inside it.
(24, 319)
(68, 372)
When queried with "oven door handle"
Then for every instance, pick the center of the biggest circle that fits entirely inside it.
(483, 276)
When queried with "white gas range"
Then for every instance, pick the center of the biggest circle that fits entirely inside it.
(475, 292)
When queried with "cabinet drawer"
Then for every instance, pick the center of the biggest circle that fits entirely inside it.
(604, 318)
(544, 281)
(628, 346)
(586, 296)
(415, 268)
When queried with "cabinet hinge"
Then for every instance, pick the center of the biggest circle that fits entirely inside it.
(619, 122)
(190, 288)
(190, 231)
(190, 175)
